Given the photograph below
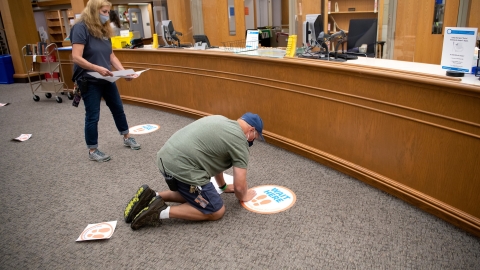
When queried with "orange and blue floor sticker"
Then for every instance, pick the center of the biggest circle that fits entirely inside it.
(98, 231)
(270, 199)
(143, 129)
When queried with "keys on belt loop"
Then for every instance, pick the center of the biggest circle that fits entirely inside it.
(196, 188)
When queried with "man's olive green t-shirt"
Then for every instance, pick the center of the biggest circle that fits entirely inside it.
(203, 149)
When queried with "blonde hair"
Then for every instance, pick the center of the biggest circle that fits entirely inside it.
(91, 17)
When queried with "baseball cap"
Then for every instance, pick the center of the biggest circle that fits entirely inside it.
(255, 121)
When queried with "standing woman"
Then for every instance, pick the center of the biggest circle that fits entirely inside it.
(115, 23)
(92, 51)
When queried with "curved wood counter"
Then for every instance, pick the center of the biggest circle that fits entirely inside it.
(415, 136)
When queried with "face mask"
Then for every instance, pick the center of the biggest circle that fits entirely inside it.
(250, 143)
(104, 19)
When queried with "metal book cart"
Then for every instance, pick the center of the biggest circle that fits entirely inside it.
(42, 59)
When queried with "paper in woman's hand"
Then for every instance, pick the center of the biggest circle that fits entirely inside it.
(118, 74)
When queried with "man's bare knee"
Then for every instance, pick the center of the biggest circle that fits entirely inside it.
(217, 215)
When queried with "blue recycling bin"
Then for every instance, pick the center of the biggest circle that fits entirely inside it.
(6, 69)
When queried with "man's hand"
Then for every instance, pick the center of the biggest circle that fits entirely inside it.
(251, 193)
(240, 185)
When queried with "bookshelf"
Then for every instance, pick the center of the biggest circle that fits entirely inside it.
(3, 43)
(3, 39)
(351, 9)
(58, 25)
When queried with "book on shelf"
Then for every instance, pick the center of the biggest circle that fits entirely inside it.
(41, 48)
(28, 48)
(36, 49)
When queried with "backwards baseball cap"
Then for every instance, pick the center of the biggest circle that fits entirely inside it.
(255, 121)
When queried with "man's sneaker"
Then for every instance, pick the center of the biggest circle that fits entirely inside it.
(130, 142)
(149, 215)
(138, 202)
(99, 156)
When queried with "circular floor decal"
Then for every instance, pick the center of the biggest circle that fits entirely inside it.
(143, 129)
(99, 231)
(270, 200)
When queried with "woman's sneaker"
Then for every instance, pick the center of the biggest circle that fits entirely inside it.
(138, 202)
(98, 155)
(130, 142)
(149, 215)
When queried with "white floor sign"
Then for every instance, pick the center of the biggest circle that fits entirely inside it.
(98, 231)
(143, 129)
(271, 199)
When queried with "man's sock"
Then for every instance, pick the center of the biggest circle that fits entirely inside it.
(165, 213)
(156, 194)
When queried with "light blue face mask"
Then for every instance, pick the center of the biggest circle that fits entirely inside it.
(104, 19)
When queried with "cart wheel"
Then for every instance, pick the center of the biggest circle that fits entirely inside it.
(59, 99)
(36, 98)
(69, 95)
(48, 95)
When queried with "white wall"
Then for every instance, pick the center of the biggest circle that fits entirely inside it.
(147, 32)
(262, 13)
(250, 19)
(263, 18)
(277, 12)
(40, 20)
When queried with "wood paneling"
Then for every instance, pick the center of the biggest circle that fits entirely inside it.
(78, 6)
(20, 29)
(380, 20)
(52, 3)
(473, 18)
(428, 46)
(412, 135)
(311, 7)
(152, 21)
(414, 40)
(285, 14)
(240, 19)
(215, 21)
(359, 5)
(405, 30)
(180, 15)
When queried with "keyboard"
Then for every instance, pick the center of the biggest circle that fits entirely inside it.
(344, 56)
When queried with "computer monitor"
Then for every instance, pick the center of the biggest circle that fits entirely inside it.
(202, 38)
(312, 27)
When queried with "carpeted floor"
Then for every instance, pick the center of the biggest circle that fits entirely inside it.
(50, 191)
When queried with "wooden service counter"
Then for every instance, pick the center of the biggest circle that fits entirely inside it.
(415, 136)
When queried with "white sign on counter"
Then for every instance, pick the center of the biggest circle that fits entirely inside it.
(458, 48)
(252, 40)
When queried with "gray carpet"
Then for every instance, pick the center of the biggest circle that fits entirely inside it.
(50, 191)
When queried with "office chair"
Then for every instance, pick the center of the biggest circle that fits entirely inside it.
(362, 31)
(203, 39)
(170, 34)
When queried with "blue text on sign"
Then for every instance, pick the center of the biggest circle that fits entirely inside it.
(277, 195)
